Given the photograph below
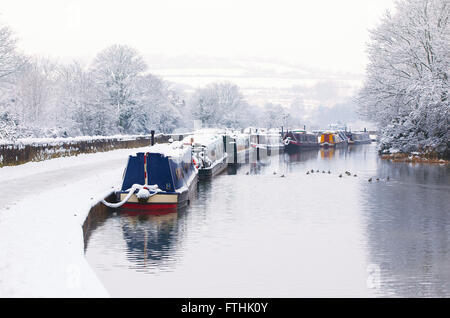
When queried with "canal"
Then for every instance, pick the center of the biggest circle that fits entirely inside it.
(271, 230)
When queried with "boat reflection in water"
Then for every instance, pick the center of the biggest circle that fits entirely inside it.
(302, 156)
(150, 240)
(327, 153)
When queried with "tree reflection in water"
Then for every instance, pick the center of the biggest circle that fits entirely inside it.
(408, 227)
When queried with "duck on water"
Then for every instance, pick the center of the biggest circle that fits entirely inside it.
(162, 179)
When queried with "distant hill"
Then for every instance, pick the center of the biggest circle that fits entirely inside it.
(261, 80)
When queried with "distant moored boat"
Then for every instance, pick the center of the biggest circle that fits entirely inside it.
(359, 138)
(299, 139)
(238, 147)
(208, 149)
(332, 139)
(268, 141)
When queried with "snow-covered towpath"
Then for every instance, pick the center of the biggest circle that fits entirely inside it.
(42, 208)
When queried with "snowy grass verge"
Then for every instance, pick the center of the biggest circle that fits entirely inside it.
(41, 235)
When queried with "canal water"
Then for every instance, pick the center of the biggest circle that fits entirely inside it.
(271, 230)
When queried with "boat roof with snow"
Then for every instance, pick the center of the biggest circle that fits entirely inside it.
(167, 165)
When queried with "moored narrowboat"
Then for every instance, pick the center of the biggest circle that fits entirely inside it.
(209, 153)
(274, 143)
(160, 180)
(332, 139)
(238, 148)
(296, 140)
(359, 138)
(258, 140)
(265, 142)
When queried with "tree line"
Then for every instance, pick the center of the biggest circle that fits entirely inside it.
(114, 94)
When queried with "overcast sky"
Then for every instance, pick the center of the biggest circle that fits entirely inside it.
(327, 34)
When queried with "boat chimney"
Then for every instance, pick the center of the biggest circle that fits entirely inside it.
(152, 140)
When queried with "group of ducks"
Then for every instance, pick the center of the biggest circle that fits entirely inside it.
(282, 175)
(348, 173)
(323, 171)
(378, 179)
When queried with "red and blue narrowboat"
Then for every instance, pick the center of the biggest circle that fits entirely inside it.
(161, 180)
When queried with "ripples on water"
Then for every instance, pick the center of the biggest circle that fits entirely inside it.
(253, 233)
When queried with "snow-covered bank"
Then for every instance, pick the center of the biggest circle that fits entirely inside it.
(42, 210)
(414, 158)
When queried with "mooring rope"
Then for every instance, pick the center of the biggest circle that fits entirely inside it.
(144, 193)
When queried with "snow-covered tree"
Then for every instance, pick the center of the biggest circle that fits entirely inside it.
(406, 90)
(10, 63)
(117, 69)
(79, 110)
(34, 91)
(219, 104)
(297, 113)
(275, 116)
(175, 114)
(156, 106)
(10, 60)
(150, 101)
(8, 126)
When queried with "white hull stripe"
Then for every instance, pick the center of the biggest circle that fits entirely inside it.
(157, 198)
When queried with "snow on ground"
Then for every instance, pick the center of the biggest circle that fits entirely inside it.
(42, 209)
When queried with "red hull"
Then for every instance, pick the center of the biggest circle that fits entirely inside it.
(149, 208)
